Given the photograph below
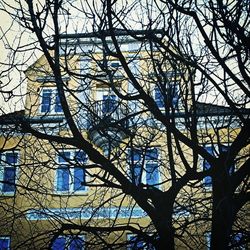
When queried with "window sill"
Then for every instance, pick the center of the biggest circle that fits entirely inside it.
(7, 194)
(71, 193)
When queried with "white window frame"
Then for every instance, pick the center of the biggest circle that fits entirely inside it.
(71, 175)
(3, 165)
(53, 101)
(68, 238)
(145, 161)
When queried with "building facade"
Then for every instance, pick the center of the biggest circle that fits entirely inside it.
(54, 193)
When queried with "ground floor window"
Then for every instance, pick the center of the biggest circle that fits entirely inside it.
(4, 243)
(69, 242)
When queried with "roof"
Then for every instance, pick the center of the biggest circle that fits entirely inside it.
(208, 109)
(118, 32)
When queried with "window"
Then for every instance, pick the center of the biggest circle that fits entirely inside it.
(237, 241)
(208, 240)
(207, 181)
(171, 93)
(116, 68)
(136, 244)
(50, 101)
(144, 166)
(68, 243)
(109, 103)
(8, 172)
(211, 149)
(4, 242)
(71, 175)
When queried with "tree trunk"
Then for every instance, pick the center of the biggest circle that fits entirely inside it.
(222, 212)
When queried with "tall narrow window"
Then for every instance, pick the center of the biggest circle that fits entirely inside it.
(50, 101)
(46, 100)
(70, 172)
(231, 168)
(144, 167)
(58, 105)
(206, 166)
(8, 172)
(109, 103)
(159, 98)
(211, 149)
(173, 92)
(171, 95)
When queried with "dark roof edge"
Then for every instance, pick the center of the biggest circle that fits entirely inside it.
(105, 33)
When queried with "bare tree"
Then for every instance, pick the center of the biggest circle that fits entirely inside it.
(162, 155)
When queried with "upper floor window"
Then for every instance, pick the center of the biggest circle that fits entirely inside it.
(144, 166)
(109, 103)
(50, 101)
(115, 67)
(68, 243)
(70, 174)
(4, 243)
(8, 172)
(172, 93)
(106, 101)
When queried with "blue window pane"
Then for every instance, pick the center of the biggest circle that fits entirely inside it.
(63, 175)
(159, 98)
(4, 244)
(206, 166)
(64, 157)
(9, 179)
(137, 244)
(46, 100)
(76, 244)
(109, 103)
(174, 94)
(115, 64)
(237, 241)
(207, 179)
(151, 154)
(81, 156)
(59, 244)
(58, 106)
(231, 169)
(135, 155)
(137, 174)
(11, 158)
(79, 179)
(152, 174)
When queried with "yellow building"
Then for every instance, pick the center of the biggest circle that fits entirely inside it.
(61, 193)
